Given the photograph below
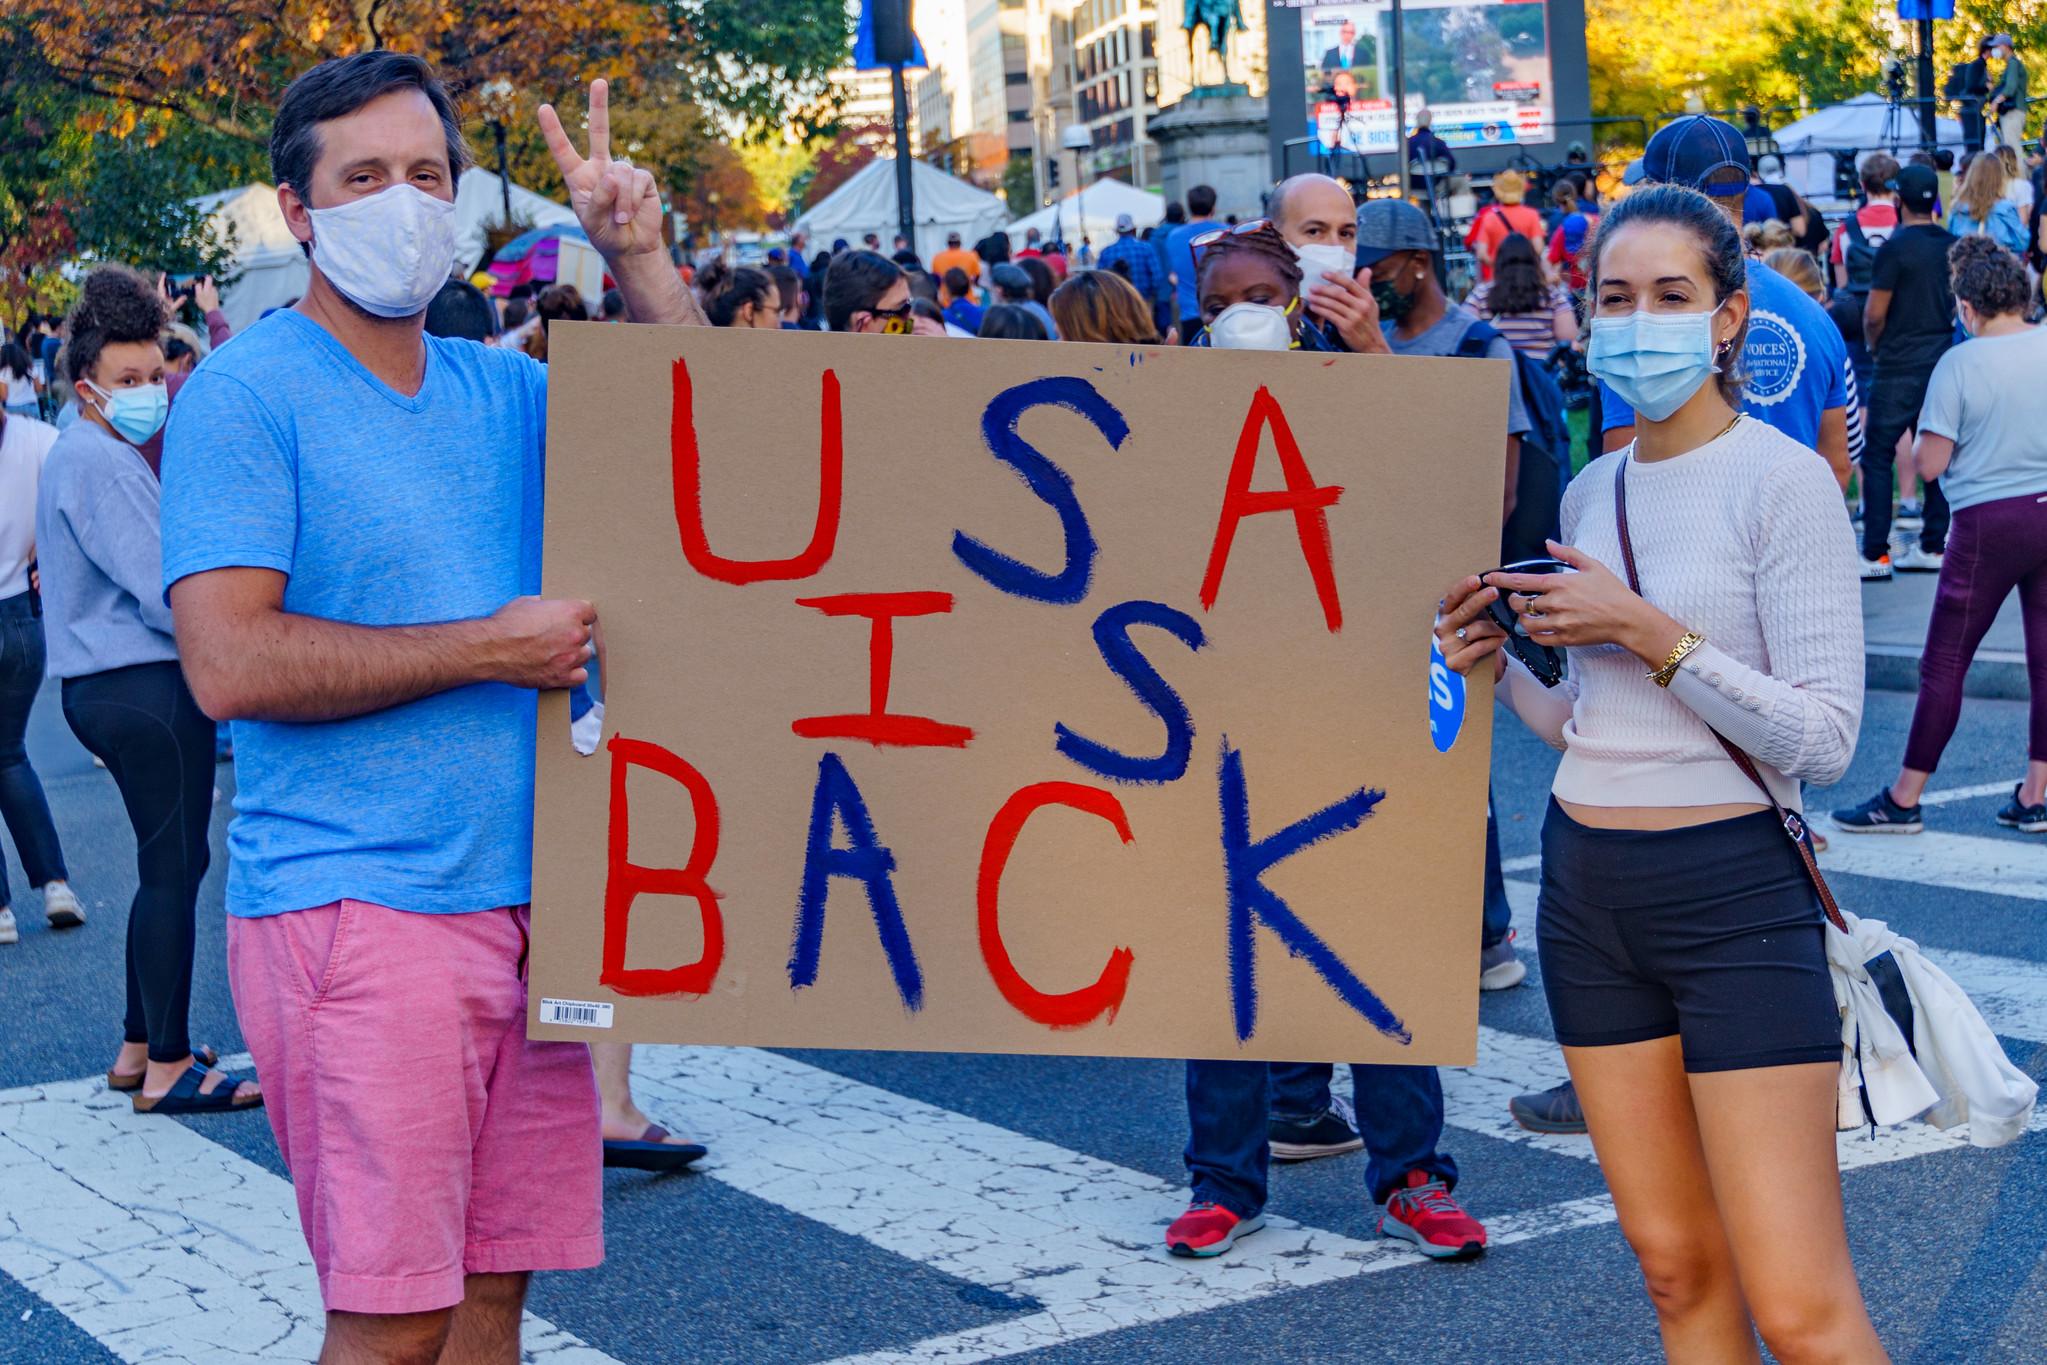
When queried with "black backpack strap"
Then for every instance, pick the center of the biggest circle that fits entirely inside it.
(1853, 226)
(1477, 340)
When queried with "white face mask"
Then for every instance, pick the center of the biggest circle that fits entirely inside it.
(389, 253)
(1318, 258)
(1251, 327)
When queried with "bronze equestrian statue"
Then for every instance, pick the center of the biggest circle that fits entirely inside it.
(1221, 16)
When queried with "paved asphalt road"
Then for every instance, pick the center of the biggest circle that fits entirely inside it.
(872, 1204)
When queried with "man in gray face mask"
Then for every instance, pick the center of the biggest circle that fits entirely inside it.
(351, 527)
(1403, 255)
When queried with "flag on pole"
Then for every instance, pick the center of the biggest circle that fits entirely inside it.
(863, 44)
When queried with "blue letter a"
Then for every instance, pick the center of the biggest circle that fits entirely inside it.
(1246, 864)
(868, 861)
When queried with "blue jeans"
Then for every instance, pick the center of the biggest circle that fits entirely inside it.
(1400, 1116)
(1499, 916)
(22, 804)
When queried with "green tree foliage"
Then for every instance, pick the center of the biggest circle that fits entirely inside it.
(1650, 57)
(1019, 186)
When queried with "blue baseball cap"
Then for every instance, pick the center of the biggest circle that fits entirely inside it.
(1699, 152)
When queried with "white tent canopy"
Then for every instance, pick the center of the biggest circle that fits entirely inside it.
(939, 203)
(1092, 213)
(1862, 125)
(480, 206)
(267, 258)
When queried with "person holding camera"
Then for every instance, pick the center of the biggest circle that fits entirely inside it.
(1707, 600)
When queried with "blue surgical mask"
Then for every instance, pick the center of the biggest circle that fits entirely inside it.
(137, 413)
(1654, 361)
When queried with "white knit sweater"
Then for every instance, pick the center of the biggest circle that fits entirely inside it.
(1744, 540)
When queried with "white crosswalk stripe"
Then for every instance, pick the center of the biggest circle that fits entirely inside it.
(163, 1245)
(167, 1247)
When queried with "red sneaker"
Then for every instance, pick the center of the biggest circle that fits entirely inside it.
(1422, 1212)
(1209, 1230)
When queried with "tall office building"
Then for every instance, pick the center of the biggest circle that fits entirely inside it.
(999, 74)
(943, 94)
(867, 104)
(1116, 87)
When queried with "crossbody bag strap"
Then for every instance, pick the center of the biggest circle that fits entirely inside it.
(1794, 826)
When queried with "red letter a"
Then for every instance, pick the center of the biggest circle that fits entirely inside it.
(625, 881)
(689, 492)
(1302, 497)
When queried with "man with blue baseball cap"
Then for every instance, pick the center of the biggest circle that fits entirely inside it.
(1796, 362)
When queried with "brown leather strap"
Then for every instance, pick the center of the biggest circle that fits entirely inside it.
(1794, 826)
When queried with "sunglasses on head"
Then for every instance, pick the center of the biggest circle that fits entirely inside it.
(1209, 239)
(1546, 662)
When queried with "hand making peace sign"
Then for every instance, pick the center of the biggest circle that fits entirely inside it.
(616, 202)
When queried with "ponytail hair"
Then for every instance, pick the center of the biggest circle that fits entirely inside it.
(1719, 241)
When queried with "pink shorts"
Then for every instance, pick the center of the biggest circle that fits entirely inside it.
(427, 1138)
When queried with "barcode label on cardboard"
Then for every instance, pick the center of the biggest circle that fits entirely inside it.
(583, 1013)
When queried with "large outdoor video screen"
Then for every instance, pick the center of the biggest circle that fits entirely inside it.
(1481, 67)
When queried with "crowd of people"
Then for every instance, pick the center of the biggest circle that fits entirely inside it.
(217, 542)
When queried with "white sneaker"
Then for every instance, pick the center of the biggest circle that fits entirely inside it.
(8, 933)
(1876, 570)
(1912, 559)
(61, 907)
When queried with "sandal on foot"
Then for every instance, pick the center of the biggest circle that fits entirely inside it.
(651, 1152)
(125, 1080)
(185, 1097)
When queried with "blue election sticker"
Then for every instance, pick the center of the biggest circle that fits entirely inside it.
(1446, 700)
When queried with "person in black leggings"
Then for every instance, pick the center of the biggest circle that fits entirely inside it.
(142, 723)
(109, 638)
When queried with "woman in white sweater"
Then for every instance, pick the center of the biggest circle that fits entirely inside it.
(1680, 939)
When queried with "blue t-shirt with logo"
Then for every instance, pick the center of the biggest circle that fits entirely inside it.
(285, 453)
(1795, 358)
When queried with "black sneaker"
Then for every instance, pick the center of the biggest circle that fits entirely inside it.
(1879, 815)
(2018, 815)
(1333, 1134)
(1555, 1110)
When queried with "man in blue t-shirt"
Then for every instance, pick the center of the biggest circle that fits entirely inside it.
(1180, 259)
(1795, 359)
(351, 539)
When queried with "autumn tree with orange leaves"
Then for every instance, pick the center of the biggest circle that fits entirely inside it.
(688, 73)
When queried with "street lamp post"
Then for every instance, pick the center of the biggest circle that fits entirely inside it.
(1077, 139)
(499, 95)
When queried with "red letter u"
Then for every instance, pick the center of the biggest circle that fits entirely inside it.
(689, 492)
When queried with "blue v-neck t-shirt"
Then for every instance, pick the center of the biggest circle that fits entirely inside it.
(284, 452)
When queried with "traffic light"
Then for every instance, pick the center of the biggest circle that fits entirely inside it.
(893, 41)
(1052, 171)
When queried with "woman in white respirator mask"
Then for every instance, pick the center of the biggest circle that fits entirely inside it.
(1250, 292)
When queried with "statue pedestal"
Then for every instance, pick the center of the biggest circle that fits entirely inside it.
(1215, 136)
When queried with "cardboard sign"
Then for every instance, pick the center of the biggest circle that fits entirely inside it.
(1015, 697)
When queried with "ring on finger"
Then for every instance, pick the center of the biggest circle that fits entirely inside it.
(1462, 632)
